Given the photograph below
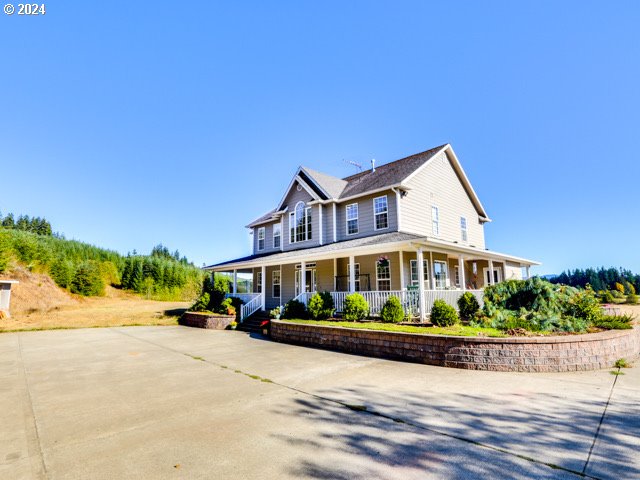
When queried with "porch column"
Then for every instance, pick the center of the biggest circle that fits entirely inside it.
(320, 224)
(352, 273)
(401, 271)
(235, 281)
(420, 260)
(528, 277)
(335, 272)
(303, 277)
(335, 231)
(432, 280)
(263, 274)
(463, 280)
(491, 282)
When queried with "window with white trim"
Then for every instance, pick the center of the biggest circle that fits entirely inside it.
(261, 238)
(357, 275)
(414, 273)
(381, 213)
(352, 219)
(383, 276)
(277, 234)
(435, 220)
(258, 288)
(440, 274)
(300, 223)
(275, 284)
(463, 229)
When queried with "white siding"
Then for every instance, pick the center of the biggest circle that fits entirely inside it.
(438, 185)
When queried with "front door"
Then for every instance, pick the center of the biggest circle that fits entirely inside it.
(310, 280)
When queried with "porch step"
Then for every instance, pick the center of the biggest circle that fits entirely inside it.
(252, 323)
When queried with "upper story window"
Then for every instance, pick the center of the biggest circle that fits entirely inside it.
(381, 213)
(463, 229)
(352, 219)
(435, 220)
(277, 234)
(261, 238)
(300, 223)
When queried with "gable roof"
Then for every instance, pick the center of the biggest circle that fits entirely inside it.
(327, 187)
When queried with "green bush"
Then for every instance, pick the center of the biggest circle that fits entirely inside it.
(226, 307)
(355, 307)
(468, 306)
(62, 272)
(443, 314)
(632, 299)
(202, 303)
(87, 280)
(392, 311)
(617, 294)
(321, 306)
(294, 309)
(606, 297)
(614, 322)
(4, 251)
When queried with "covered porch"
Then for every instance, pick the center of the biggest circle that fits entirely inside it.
(376, 271)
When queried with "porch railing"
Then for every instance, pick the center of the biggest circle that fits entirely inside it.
(410, 299)
(252, 303)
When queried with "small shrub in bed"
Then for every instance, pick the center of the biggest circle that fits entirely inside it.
(468, 306)
(614, 322)
(294, 309)
(392, 311)
(355, 307)
(202, 303)
(321, 306)
(632, 299)
(443, 314)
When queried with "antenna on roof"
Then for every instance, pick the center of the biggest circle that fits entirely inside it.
(354, 164)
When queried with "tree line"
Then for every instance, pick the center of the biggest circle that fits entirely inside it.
(37, 225)
(600, 279)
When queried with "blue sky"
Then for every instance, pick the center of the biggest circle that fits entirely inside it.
(127, 124)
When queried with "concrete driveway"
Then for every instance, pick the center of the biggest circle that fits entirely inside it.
(181, 403)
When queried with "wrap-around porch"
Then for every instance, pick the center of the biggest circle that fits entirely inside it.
(377, 276)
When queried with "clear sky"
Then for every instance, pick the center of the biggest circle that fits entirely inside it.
(127, 124)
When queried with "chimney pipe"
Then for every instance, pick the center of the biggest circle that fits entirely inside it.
(373, 165)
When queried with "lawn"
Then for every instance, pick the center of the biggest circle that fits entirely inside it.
(456, 330)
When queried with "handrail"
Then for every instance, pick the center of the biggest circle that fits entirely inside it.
(251, 307)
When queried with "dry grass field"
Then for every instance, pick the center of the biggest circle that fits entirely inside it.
(37, 303)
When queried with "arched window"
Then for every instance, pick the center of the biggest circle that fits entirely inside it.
(300, 223)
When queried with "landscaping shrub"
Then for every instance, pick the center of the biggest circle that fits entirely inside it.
(294, 309)
(443, 314)
(632, 299)
(202, 303)
(237, 304)
(614, 322)
(468, 306)
(606, 297)
(87, 280)
(226, 307)
(617, 294)
(629, 288)
(321, 306)
(619, 287)
(355, 307)
(392, 311)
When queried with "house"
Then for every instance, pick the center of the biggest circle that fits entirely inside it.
(413, 228)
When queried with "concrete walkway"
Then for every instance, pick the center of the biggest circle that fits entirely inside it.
(181, 403)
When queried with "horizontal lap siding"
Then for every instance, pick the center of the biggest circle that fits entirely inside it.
(268, 239)
(438, 184)
(365, 216)
(288, 283)
(270, 300)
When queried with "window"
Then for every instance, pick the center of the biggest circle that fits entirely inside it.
(414, 273)
(381, 213)
(261, 238)
(275, 283)
(276, 235)
(463, 228)
(440, 274)
(383, 276)
(435, 221)
(357, 275)
(352, 219)
(258, 288)
(300, 223)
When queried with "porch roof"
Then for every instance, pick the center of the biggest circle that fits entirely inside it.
(362, 246)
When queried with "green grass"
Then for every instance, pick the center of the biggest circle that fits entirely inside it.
(455, 330)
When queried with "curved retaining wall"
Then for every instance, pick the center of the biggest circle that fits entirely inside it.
(513, 354)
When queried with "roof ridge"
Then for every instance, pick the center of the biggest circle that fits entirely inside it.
(354, 176)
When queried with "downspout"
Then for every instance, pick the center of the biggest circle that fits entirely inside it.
(398, 210)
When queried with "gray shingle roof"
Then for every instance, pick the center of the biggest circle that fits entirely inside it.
(391, 237)
(332, 185)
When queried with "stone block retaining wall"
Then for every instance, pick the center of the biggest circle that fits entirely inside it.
(203, 320)
(513, 354)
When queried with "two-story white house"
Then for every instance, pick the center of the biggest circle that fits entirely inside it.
(413, 228)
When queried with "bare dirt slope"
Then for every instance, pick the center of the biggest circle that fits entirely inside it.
(37, 303)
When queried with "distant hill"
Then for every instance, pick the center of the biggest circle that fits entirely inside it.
(549, 276)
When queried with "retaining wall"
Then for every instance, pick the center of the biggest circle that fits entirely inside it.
(513, 354)
(203, 320)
